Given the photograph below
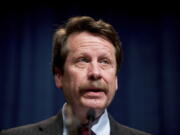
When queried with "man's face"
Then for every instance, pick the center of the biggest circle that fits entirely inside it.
(89, 79)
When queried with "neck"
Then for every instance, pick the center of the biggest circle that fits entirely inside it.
(83, 115)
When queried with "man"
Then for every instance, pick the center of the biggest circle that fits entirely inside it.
(87, 55)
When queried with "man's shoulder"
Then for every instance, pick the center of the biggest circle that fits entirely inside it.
(26, 129)
(117, 128)
(49, 125)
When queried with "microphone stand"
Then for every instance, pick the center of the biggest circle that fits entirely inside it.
(90, 117)
(73, 124)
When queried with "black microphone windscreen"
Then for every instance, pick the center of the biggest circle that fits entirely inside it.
(91, 115)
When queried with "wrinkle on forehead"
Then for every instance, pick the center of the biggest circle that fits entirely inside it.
(85, 39)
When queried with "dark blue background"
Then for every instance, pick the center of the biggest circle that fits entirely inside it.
(149, 81)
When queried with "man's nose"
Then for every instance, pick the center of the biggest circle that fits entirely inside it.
(94, 71)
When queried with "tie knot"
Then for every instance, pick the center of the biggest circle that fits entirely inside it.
(84, 130)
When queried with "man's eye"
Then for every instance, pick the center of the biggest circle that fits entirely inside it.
(83, 59)
(81, 62)
(105, 61)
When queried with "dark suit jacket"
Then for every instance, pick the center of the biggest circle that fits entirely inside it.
(54, 126)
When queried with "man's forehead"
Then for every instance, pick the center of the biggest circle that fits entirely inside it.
(85, 40)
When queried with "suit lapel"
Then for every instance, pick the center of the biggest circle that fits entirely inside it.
(52, 126)
(115, 127)
(112, 126)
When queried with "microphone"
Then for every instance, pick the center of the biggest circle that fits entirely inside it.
(84, 129)
(90, 116)
(72, 123)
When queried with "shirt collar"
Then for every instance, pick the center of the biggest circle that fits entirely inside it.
(102, 127)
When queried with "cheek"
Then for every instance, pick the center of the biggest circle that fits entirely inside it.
(70, 88)
(72, 79)
(111, 78)
(112, 82)
(113, 87)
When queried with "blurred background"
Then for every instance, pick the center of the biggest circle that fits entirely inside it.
(149, 81)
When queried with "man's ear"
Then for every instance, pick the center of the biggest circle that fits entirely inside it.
(58, 78)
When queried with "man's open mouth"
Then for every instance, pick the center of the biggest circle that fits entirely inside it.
(93, 92)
